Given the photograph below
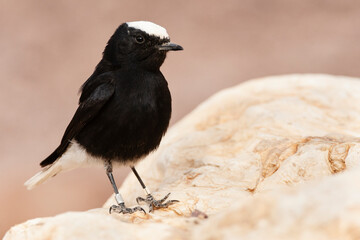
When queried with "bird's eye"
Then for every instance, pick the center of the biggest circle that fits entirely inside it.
(139, 39)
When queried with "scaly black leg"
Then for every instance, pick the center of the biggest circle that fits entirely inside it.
(120, 208)
(150, 200)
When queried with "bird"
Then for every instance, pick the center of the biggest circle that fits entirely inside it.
(123, 111)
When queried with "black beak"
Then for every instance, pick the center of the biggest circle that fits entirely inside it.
(170, 47)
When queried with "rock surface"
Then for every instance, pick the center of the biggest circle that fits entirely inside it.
(273, 158)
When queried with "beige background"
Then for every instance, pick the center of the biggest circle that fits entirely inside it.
(49, 48)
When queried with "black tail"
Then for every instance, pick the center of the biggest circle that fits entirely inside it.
(59, 151)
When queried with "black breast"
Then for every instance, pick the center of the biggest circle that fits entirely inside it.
(133, 121)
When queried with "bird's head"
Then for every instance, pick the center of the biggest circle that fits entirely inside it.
(139, 43)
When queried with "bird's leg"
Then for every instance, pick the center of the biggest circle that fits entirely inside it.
(120, 208)
(150, 200)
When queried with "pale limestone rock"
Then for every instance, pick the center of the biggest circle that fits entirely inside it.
(273, 158)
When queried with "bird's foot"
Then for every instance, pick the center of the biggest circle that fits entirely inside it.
(122, 209)
(156, 204)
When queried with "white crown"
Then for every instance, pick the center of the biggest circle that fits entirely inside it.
(150, 28)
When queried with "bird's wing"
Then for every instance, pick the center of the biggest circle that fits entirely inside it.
(88, 108)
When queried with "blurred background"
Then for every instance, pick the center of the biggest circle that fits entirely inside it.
(49, 48)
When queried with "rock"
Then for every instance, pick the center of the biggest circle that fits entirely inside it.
(273, 158)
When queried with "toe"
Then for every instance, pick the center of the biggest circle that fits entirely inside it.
(139, 209)
(140, 199)
(166, 197)
(114, 208)
(151, 208)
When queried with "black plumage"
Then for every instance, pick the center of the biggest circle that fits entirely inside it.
(125, 105)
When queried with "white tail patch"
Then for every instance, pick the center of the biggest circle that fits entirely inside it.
(42, 176)
(74, 157)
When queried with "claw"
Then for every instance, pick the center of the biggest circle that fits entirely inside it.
(111, 208)
(162, 200)
(156, 204)
(140, 199)
(122, 209)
